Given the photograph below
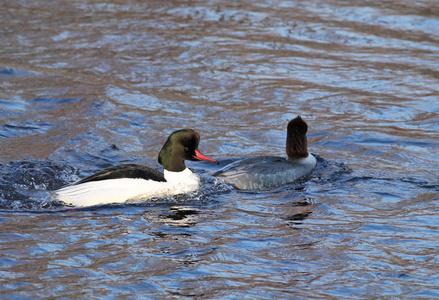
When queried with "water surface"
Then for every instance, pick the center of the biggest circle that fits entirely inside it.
(86, 85)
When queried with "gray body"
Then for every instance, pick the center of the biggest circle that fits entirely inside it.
(261, 172)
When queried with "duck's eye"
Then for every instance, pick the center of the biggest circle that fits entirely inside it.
(186, 149)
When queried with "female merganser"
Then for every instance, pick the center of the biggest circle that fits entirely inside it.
(129, 182)
(270, 171)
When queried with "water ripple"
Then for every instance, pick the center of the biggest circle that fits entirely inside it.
(87, 85)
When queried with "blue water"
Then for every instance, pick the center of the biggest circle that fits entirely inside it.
(85, 86)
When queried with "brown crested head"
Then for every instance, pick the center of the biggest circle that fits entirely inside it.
(297, 144)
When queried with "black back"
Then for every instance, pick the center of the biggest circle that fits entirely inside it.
(126, 171)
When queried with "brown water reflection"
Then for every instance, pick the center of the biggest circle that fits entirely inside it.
(90, 84)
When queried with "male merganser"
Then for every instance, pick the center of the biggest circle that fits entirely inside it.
(129, 182)
(270, 171)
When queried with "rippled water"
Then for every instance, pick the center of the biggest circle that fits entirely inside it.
(89, 84)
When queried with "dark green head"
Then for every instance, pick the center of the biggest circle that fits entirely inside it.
(181, 145)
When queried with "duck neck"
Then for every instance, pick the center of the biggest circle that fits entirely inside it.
(297, 146)
(170, 160)
(174, 165)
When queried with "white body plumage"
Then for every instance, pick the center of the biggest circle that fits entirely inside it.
(122, 189)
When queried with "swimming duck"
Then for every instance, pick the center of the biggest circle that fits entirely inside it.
(130, 182)
(261, 172)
